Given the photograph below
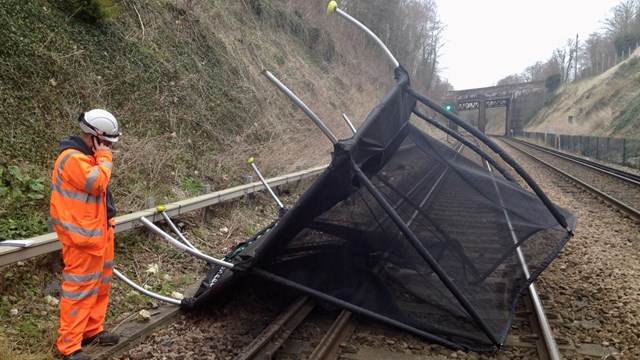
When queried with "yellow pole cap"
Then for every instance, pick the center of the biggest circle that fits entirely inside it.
(161, 208)
(331, 8)
(250, 160)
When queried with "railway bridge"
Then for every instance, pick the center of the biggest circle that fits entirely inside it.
(520, 100)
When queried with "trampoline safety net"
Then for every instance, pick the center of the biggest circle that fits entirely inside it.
(404, 230)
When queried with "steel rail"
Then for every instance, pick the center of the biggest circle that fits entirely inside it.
(340, 331)
(47, 243)
(543, 322)
(272, 337)
(635, 213)
(619, 174)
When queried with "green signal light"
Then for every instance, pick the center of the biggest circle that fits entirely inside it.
(448, 107)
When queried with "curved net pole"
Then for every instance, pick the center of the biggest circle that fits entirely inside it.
(167, 219)
(333, 7)
(144, 291)
(195, 252)
(424, 253)
(466, 143)
(301, 105)
(353, 129)
(251, 161)
(498, 150)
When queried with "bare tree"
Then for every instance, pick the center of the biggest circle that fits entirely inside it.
(534, 72)
(425, 31)
(623, 18)
(619, 35)
(564, 57)
(511, 79)
(411, 29)
(592, 53)
(551, 67)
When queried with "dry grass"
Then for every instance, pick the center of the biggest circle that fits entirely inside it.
(270, 128)
(594, 103)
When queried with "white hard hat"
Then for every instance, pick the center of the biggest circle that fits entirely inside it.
(100, 123)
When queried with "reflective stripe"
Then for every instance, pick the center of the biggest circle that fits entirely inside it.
(80, 196)
(81, 278)
(78, 295)
(107, 279)
(77, 229)
(74, 313)
(63, 163)
(91, 180)
(86, 198)
(106, 164)
(64, 160)
(108, 264)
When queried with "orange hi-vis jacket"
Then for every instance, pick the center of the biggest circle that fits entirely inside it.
(79, 199)
(83, 213)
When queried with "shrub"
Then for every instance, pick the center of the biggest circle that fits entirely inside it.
(93, 11)
(625, 42)
(21, 196)
(552, 82)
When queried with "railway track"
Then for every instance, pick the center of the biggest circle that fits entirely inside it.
(305, 331)
(535, 327)
(529, 335)
(279, 340)
(620, 188)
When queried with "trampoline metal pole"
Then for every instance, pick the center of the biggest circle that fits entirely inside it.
(498, 150)
(250, 161)
(146, 222)
(175, 229)
(467, 143)
(344, 116)
(333, 7)
(424, 253)
(301, 105)
(145, 291)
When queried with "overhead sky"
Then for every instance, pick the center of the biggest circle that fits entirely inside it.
(485, 41)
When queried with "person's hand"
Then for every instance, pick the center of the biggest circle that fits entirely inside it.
(97, 145)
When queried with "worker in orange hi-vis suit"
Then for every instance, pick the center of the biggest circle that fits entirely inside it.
(83, 214)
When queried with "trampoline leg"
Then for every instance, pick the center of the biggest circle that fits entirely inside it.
(145, 291)
(151, 226)
(176, 230)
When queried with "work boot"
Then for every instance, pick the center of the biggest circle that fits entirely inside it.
(103, 338)
(77, 355)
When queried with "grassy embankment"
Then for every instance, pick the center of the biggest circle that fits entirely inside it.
(606, 105)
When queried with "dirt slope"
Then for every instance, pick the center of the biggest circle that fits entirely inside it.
(606, 105)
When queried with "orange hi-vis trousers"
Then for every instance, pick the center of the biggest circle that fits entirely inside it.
(86, 284)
